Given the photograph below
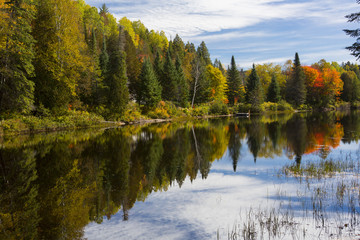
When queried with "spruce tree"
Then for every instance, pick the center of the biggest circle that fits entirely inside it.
(133, 66)
(183, 87)
(169, 80)
(16, 67)
(203, 53)
(233, 82)
(104, 58)
(295, 87)
(254, 92)
(274, 91)
(158, 66)
(116, 79)
(150, 89)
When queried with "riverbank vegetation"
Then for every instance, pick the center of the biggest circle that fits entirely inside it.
(60, 57)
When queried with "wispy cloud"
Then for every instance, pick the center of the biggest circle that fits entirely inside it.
(289, 26)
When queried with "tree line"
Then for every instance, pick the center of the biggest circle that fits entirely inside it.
(60, 55)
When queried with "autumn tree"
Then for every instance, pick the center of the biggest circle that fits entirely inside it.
(266, 72)
(218, 83)
(295, 86)
(16, 56)
(61, 53)
(234, 92)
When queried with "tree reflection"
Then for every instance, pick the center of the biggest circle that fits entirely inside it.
(53, 185)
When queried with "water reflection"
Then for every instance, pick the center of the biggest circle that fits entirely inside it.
(53, 185)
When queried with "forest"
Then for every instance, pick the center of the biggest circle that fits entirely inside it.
(61, 57)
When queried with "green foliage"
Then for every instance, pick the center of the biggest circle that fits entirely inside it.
(200, 110)
(16, 56)
(132, 113)
(149, 89)
(254, 92)
(116, 79)
(73, 119)
(282, 106)
(274, 91)
(169, 80)
(218, 108)
(233, 82)
(295, 87)
(351, 89)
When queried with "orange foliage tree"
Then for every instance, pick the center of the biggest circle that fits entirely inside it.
(323, 85)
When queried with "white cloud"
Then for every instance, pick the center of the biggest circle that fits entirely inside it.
(190, 18)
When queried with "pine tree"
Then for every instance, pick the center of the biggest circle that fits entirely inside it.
(158, 66)
(169, 80)
(16, 67)
(104, 58)
(133, 66)
(116, 79)
(233, 82)
(203, 53)
(355, 48)
(254, 92)
(150, 89)
(183, 87)
(295, 87)
(274, 91)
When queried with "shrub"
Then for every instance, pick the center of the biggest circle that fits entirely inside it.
(132, 113)
(200, 110)
(218, 108)
(284, 106)
(244, 107)
(269, 106)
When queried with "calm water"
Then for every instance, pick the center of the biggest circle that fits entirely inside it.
(183, 180)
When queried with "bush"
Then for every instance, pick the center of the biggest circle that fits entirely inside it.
(269, 106)
(218, 108)
(284, 106)
(200, 110)
(132, 113)
(244, 107)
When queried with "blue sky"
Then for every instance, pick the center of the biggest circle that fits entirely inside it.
(254, 31)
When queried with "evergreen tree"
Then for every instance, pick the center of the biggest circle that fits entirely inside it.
(233, 82)
(150, 89)
(295, 87)
(355, 48)
(254, 92)
(178, 47)
(169, 80)
(16, 55)
(203, 53)
(183, 87)
(133, 66)
(116, 79)
(274, 91)
(158, 66)
(104, 58)
(218, 64)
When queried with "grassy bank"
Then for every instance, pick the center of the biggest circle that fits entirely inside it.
(70, 120)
